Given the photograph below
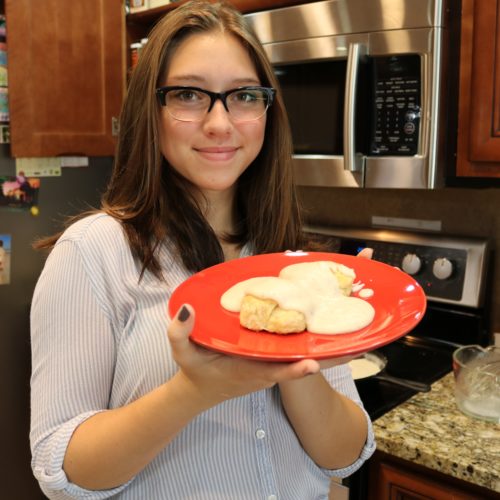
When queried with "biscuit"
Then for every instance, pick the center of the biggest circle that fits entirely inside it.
(265, 314)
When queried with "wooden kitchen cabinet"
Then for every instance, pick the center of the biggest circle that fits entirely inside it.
(392, 478)
(66, 68)
(478, 149)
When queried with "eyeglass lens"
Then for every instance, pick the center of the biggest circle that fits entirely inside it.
(192, 104)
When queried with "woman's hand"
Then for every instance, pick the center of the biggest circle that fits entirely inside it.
(217, 377)
(331, 362)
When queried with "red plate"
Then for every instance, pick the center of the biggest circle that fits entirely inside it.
(398, 299)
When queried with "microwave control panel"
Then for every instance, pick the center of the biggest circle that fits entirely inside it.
(396, 105)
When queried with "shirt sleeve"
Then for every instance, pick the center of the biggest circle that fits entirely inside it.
(73, 351)
(340, 378)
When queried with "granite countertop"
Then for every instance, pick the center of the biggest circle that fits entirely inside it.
(430, 430)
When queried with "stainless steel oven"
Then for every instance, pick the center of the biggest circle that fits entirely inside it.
(453, 271)
(368, 86)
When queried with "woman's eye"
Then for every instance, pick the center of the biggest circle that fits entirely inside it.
(186, 95)
(246, 97)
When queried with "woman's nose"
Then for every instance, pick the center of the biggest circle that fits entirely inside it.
(218, 120)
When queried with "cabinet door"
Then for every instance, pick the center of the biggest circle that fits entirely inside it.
(66, 67)
(396, 484)
(392, 478)
(478, 152)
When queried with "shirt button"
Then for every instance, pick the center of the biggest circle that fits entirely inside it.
(272, 497)
(261, 434)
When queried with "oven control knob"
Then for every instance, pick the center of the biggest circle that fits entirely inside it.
(442, 268)
(411, 263)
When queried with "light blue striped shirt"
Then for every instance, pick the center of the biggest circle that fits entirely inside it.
(99, 341)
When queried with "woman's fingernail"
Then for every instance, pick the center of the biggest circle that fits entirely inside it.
(183, 314)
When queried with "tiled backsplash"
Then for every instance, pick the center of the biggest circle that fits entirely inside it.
(462, 212)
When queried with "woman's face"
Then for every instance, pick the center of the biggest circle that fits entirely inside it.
(214, 152)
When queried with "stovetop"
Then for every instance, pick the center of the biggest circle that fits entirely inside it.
(421, 363)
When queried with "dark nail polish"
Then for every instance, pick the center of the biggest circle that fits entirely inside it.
(183, 314)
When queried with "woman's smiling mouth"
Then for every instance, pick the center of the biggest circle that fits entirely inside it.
(219, 153)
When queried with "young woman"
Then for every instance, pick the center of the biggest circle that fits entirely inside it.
(123, 404)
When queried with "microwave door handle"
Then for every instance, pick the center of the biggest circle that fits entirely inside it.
(353, 161)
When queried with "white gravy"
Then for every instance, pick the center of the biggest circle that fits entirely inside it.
(366, 293)
(312, 289)
(363, 368)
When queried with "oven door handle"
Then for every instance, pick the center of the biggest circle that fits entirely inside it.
(353, 161)
(409, 384)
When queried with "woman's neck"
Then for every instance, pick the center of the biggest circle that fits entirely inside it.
(218, 209)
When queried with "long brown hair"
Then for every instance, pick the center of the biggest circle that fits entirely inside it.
(153, 201)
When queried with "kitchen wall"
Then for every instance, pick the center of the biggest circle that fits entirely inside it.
(462, 211)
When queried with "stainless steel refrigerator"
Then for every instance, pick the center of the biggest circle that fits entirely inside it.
(76, 189)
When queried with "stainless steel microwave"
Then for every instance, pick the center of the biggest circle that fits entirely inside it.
(366, 84)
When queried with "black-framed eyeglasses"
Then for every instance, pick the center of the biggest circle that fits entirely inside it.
(191, 104)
